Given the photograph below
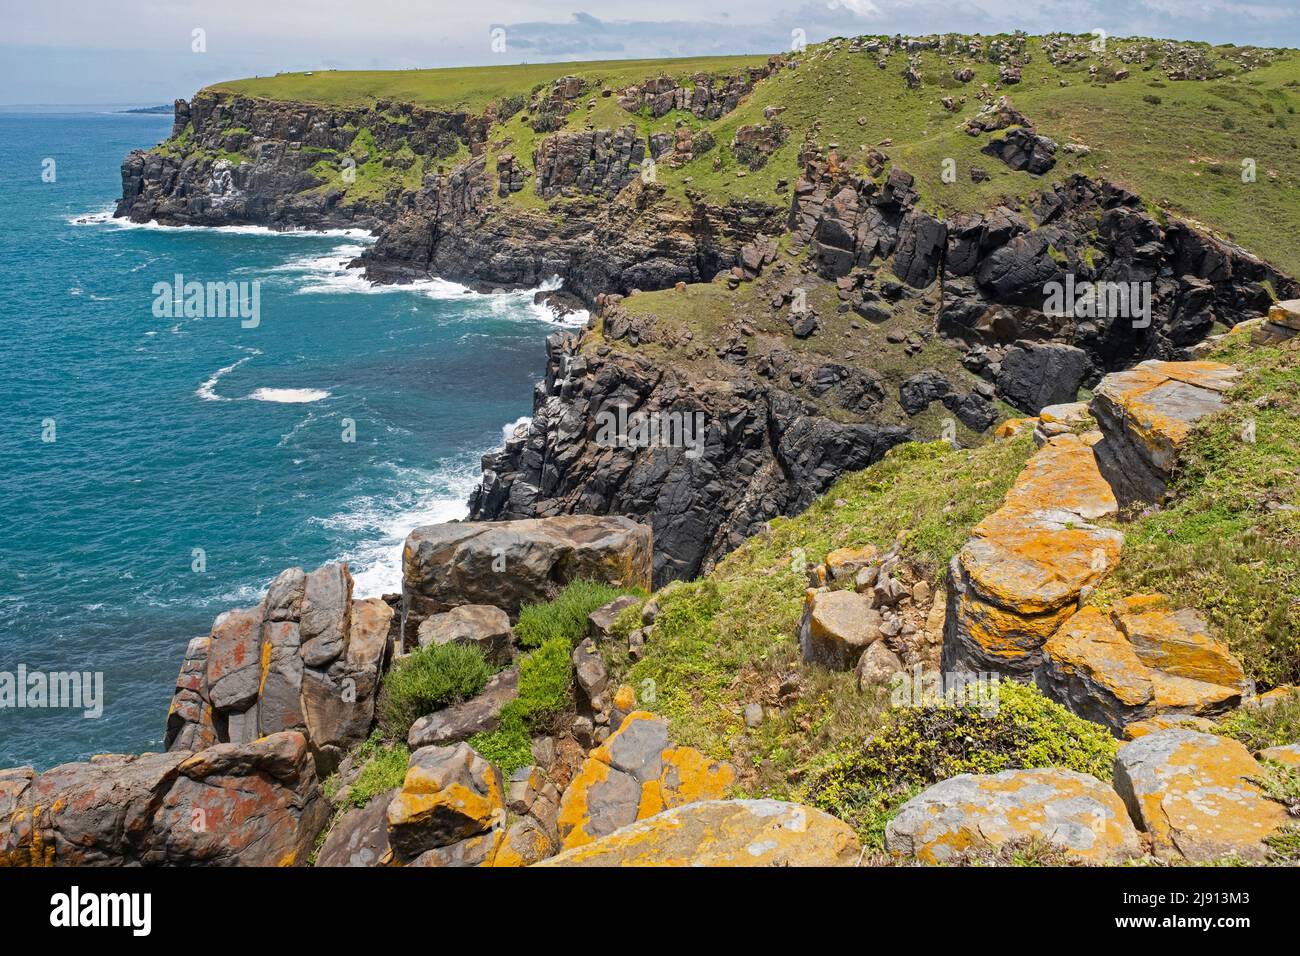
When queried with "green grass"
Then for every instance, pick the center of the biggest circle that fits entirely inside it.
(1229, 544)
(1258, 728)
(1184, 155)
(469, 88)
(545, 692)
(566, 616)
(426, 680)
(727, 640)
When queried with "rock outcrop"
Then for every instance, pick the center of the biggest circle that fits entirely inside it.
(510, 564)
(635, 774)
(1024, 570)
(763, 453)
(1072, 812)
(307, 658)
(1146, 413)
(1195, 796)
(1141, 661)
(723, 833)
(252, 804)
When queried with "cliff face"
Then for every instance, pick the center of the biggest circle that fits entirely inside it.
(854, 309)
(762, 454)
(233, 160)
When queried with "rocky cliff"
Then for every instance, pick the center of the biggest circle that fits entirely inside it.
(855, 314)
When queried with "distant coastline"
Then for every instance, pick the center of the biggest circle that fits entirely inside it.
(149, 109)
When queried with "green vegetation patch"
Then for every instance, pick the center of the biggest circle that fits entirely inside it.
(915, 747)
(727, 640)
(566, 616)
(1277, 725)
(427, 679)
(546, 674)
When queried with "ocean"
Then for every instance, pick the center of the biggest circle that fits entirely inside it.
(159, 469)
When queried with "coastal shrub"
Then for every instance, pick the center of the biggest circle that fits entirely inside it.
(566, 615)
(1261, 727)
(510, 106)
(918, 746)
(427, 679)
(545, 678)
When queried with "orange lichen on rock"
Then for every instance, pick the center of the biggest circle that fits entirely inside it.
(723, 833)
(1021, 574)
(1138, 662)
(1071, 811)
(1197, 797)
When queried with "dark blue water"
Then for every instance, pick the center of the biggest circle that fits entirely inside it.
(176, 434)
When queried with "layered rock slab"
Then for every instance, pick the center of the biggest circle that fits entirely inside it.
(1141, 661)
(1021, 574)
(1071, 811)
(635, 774)
(723, 833)
(1195, 795)
(256, 804)
(1145, 414)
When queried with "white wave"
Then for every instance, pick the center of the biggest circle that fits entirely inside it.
(431, 497)
(510, 431)
(288, 396)
(104, 217)
(331, 279)
(208, 390)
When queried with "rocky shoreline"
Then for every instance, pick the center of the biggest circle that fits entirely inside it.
(810, 338)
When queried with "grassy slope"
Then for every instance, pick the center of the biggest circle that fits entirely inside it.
(1178, 143)
(469, 88)
(727, 639)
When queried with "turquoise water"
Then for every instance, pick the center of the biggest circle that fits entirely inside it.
(176, 434)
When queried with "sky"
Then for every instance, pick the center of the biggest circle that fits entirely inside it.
(143, 52)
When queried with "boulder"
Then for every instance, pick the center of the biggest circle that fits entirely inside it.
(308, 658)
(723, 833)
(512, 563)
(472, 625)
(1095, 667)
(1145, 414)
(360, 837)
(253, 805)
(837, 627)
(1021, 574)
(1194, 794)
(1053, 420)
(877, 665)
(1023, 149)
(589, 669)
(1034, 375)
(258, 804)
(481, 714)
(1071, 811)
(450, 794)
(636, 773)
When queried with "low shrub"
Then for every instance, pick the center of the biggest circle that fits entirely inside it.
(915, 747)
(566, 615)
(1260, 727)
(545, 677)
(427, 679)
